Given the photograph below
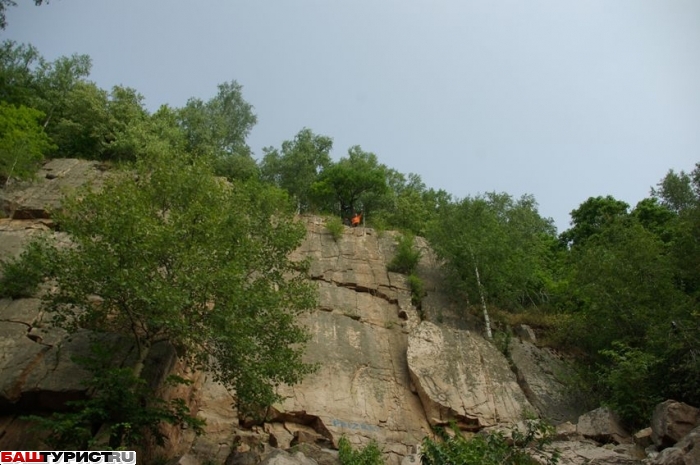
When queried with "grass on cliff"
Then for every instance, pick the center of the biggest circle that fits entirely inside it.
(336, 227)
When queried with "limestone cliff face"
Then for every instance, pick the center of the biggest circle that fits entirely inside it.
(383, 373)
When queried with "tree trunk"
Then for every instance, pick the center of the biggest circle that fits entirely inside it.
(487, 321)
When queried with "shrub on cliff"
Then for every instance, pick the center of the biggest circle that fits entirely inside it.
(492, 449)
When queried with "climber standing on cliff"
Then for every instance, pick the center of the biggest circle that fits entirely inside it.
(356, 219)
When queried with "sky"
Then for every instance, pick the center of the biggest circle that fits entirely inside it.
(563, 100)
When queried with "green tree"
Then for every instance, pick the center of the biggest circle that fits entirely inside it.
(656, 218)
(23, 142)
(591, 217)
(218, 128)
(623, 281)
(495, 248)
(96, 124)
(298, 164)
(54, 82)
(175, 254)
(17, 80)
(351, 182)
(678, 191)
(406, 205)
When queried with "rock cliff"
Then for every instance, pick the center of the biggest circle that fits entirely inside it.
(383, 373)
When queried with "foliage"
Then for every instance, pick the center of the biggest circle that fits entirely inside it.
(677, 190)
(178, 255)
(352, 182)
(417, 290)
(335, 226)
(492, 449)
(17, 80)
(630, 383)
(100, 125)
(297, 165)
(406, 258)
(371, 454)
(120, 400)
(218, 127)
(21, 277)
(623, 282)
(23, 142)
(506, 239)
(591, 217)
(408, 204)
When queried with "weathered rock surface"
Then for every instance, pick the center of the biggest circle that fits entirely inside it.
(460, 376)
(603, 426)
(55, 179)
(382, 374)
(671, 421)
(684, 452)
(542, 374)
(589, 453)
(362, 388)
(38, 372)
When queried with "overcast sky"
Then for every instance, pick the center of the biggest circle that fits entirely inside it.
(560, 99)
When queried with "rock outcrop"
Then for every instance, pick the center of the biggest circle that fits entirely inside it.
(684, 452)
(460, 376)
(603, 426)
(58, 177)
(542, 375)
(383, 374)
(671, 421)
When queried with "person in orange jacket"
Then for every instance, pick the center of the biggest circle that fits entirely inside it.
(356, 220)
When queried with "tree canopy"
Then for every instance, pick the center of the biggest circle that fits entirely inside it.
(176, 255)
(352, 181)
(23, 142)
(298, 165)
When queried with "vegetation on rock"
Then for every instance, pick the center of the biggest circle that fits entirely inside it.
(174, 253)
(371, 454)
(494, 448)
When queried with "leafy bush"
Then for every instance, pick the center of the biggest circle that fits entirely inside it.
(630, 382)
(369, 455)
(335, 227)
(23, 142)
(406, 258)
(493, 449)
(417, 289)
(21, 277)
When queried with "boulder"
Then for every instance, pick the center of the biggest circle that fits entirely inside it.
(525, 333)
(671, 421)
(603, 426)
(589, 453)
(460, 376)
(280, 457)
(684, 452)
(643, 438)
(542, 375)
(566, 431)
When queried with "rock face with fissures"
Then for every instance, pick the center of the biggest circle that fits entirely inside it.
(462, 377)
(362, 388)
(383, 374)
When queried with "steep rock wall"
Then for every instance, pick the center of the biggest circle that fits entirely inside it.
(382, 373)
